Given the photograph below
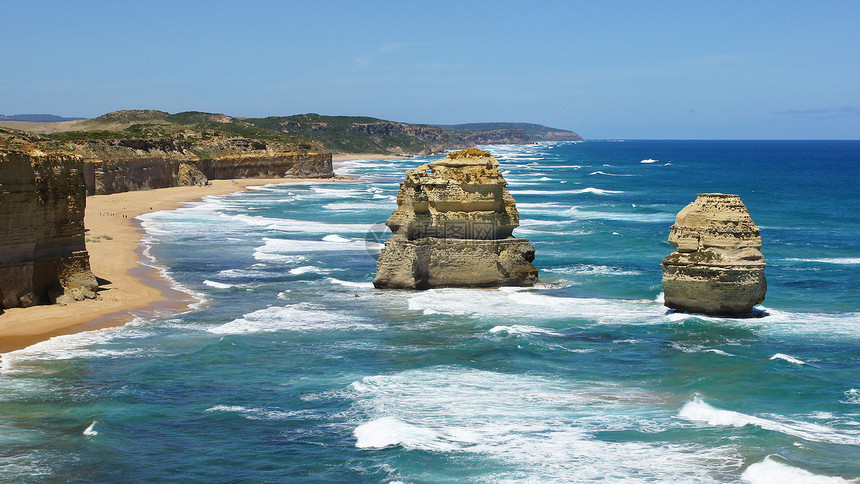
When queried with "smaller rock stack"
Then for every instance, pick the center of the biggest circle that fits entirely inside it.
(718, 267)
(452, 228)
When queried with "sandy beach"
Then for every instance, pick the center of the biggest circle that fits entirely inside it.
(126, 286)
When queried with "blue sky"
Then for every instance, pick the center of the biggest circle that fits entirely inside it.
(738, 70)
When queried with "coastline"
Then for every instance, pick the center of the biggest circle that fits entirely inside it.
(126, 284)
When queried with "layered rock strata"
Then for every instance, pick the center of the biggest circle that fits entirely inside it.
(452, 228)
(43, 257)
(130, 164)
(718, 267)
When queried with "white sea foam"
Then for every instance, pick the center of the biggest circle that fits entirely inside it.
(543, 428)
(90, 431)
(818, 325)
(291, 318)
(622, 216)
(523, 329)
(87, 344)
(309, 270)
(357, 285)
(609, 174)
(592, 190)
(697, 410)
(282, 249)
(718, 352)
(390, 431)
(358, 206)
(828, 260)
(788, 358)
(852, 397)
(302, 226)
(254, 413)
(521, 305)
(218, 285)
(649, 160)
(771, 471)
(593, 270)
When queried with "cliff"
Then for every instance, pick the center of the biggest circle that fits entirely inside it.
(718, 267)
(120, 165)
(43, 257)
(452, 228)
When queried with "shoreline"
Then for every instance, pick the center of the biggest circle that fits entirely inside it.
(128, 286)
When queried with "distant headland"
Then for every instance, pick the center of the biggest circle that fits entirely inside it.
(338, 134)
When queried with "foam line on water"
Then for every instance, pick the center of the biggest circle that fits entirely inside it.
(258, 413)
(593, 270)
(829, 260)
(299, 317)
(621, 216)
(592, 190)
(86, 344)
(351, 284)
(541, 428)
(791, 359)
(283, 249)
(218, 285)
(515, 305)
(771, 471)
(696, 410)
(523, 329)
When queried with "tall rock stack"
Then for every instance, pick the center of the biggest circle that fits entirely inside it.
(452, 228)
(718, 267)
(43, 257)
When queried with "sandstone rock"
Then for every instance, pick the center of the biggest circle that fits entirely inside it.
(188, 175)
(43, 254)
(130, 164)
(718, 267)
(452, 227)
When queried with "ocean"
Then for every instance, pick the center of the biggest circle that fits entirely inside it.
(291, 367)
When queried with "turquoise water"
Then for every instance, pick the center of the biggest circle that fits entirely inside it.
(293, 368)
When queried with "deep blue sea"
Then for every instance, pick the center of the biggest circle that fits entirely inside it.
(293, 368)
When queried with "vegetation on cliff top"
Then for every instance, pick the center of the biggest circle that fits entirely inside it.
(343, 134)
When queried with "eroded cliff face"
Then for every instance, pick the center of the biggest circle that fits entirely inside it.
(718, 267)
(452, 228)
(43, 257)
(121, 165)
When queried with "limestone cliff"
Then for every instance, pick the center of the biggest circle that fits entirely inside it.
(128, 164)
(452, 227)
(43, 257)
(718, 267)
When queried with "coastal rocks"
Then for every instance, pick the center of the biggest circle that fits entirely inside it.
(452, 228)
(718, 267)
(130, 164)
(43, 257)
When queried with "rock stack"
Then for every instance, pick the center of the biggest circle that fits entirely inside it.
(452, 228)
(718, 267)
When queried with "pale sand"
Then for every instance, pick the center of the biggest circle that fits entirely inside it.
(126, 285)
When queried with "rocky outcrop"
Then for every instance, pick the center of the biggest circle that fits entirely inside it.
(502, 136)
(452, 228)
(130, 164)
(43, 257)
(416, 139)
(718, 267)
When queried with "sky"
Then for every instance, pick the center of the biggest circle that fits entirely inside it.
(605, 69)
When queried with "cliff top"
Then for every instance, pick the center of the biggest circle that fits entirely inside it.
(340, 134)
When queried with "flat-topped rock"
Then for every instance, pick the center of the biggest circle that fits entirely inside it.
(718, 267)
(453, 226)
